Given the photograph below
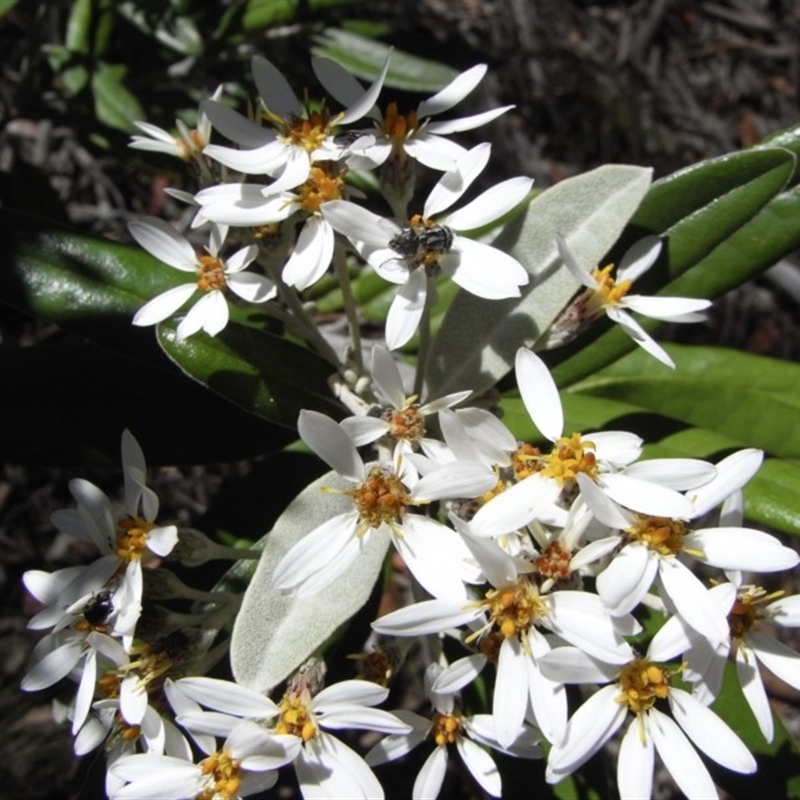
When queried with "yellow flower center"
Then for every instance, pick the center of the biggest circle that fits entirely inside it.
(309, 132)
(133, 542)
(609, 291)
(514, 608)
(325, 183)
(642, 683)
(210, 274)
(445, 729)
(554, 562)
(381, 498)
(745, 612)
(569, 457)
(663, 535)
(296, 718)
(406, 423)
(222, 773)
(191, 145)
(398, 126)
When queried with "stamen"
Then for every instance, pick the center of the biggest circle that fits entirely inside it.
(445, 729)
(610, 291)
(380, 499)
(406, 423)
(554, 562)
(224, 779)
(663, 535)
(569, 457)
(296, 717)
(325, 183)
(642, 683)
(133, 542)
(211, 274)
(515, 608)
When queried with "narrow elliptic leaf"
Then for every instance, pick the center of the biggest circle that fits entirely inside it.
(749, 398)
(255, 369)
(114, 104)
(274, 631)
(365, 57)
(722, 221)
(479, 338)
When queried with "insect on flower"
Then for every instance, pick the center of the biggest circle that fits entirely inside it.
(98, 609)
(420, 243)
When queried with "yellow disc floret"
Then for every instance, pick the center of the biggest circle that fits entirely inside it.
(222, 772)
(296, 718)
(642, 683)
(514, 608)
(570, 456)
(661, 534)
(610, 291)
(554, 562)
(398, 126)
(210, 274)
(309, 132)
(380, 499)
(526, 460)
(132, 543)
(445, 729)
(406, 423)
(325, 183)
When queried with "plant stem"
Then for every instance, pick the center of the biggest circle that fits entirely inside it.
(424, 335)
(350, 305)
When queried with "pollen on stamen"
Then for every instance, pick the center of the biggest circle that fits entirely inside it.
(445, 729)
(398, 126)
(515, 608)
(295, 718)
(132, 543)
(663, 535)
(571, 455)
(380, 499)
(642, 683)
(406, 423)
(210, 274)
(325, 183)
(610, 291)
(554, 562)
(526, 460)
(309, 132)
(224, 778)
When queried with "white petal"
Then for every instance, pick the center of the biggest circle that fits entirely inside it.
(228, 697)
(266, 159)
(679, 757)
(386, 375)
(344, 717)
(510, 691)
(327, 768)
(624, 582)
(337, 81)
(364, 103)
(580, 274)
(429, 616)
(252, 287)
(741, 548)
(733, 472)
(132, 699)
(572, 665)
(460, 673)
(776, 657)
(434, 152)
(56, 665)
(327, 439)
(670, 309)
(405, 312)
(453, 93)
(490, 205)
(602, 506)
(515, 507)
(317, 550)
(459, 479)
(753, 690)
(164, 305)
(358, 224)
(645, 497)
(275, 90)
(236, 127)
(209, 313)
(548, 698)
(353, 691)
(710, 733)
(674, 473)
(430, 778)
(363, 430)
(454, 183)
(638, 258)
(483, 270)
(589, 728)
(635, 764)
(639, 335)
(691, 600)
(785, 611)
(446, 127)
(539, 393)
(481, 766)
(312, 254)
(164, 242)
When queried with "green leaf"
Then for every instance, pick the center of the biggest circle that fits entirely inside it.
(723, 221)
(78, 34)
(114, 105)
(365, 57)
(276, 631)
(750, 399)
(7, 6)
(479, 338)
(258, 14)
(260, 372)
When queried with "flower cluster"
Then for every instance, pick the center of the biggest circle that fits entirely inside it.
(532, 565)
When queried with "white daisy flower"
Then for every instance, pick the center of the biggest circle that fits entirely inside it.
(450, 726)
(605, 294)
(123, 540)
(211, 276)
(606, 459)
(431, 243)
(404, 420)
(637, 687)
(652, 545)
(302, 722)
(186, 145)
(414, 135)
(750, 610)
(507, 620)
(300, 136)
(382, 502)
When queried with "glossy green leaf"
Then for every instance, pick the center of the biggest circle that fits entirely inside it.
(736, 222)
(274, 631)
(751, 399)
(260, 372)
(114, 104)
(479, 338)
(365, 57)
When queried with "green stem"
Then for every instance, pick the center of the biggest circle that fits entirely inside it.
(350, 305)
(424, 335)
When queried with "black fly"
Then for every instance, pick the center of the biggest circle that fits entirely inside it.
(421, 243)
(98, 609)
